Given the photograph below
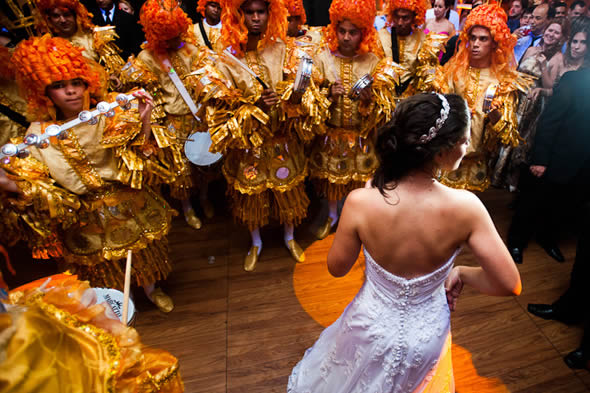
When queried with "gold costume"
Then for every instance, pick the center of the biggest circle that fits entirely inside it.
(99, 46)
(265, 163)
(10, 97)
(418, 56)
(59, 340)
(85, 201)
(476, 167)
(344, 158)
(213, 34)
(148, 71)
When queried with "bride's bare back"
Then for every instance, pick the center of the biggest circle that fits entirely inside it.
(417, 228)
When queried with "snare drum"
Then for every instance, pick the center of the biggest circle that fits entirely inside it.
(303, 77)
(114, 299)
(489, 98)
(364, 82)
(197, 148)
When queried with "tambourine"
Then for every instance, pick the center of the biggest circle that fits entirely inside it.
(488, 98)
(364, 82)
(197, 151)
(303, 77)
(114, 299)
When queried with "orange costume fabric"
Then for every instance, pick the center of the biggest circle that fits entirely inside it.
(418, 7)
(202, 3)
(295, 8)
(57, 339)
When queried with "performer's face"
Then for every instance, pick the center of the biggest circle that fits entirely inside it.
(63, 22)
(578, 46)
(349, 38)
(255, 16)
(403, 20)
(212, 12)
(67, 96)
(293, 27)
(481, 44)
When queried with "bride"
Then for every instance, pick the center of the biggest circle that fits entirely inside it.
(395, 335)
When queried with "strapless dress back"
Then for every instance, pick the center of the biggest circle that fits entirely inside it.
(390, 338)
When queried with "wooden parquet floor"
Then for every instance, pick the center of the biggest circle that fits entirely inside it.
(235, 331)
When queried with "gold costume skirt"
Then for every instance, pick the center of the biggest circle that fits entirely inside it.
(183, 125)
(112, 221)
(268, 181)
(472, 174)
(341, 161)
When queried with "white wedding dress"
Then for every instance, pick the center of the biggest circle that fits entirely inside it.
(393, 337)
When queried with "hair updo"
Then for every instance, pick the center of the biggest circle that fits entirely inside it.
(399, 148)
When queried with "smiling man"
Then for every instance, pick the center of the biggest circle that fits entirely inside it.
(69, 19)
(542, 14)
(484, 59)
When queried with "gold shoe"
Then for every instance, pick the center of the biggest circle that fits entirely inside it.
(251, 259)
(296, 251)
(192, 220)
(161, 300)
(208, 209)
(325, 229)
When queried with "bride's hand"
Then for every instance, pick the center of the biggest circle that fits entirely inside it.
(453, 287)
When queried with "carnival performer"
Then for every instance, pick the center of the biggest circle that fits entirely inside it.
(85, 196)
(405, 42)
(207, 30)
(484, 72)
(167, 57)
(56, 337)
(12, 106)
(297, 27)
(344, 158)
(261, 129)
(69, 19)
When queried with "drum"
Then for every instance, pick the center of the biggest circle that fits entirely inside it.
(114, 299)
(488, 98)
(303, 77)
(197, 151)
(364, 82)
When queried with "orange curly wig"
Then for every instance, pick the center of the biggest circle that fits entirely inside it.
(202, 3)
(41, 61)
(418, 7)
(493, 18)
(295, 8)
(360, 13)
(83, 17)
(234, 33)
(163, 20)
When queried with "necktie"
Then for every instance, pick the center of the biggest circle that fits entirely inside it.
(107, 18)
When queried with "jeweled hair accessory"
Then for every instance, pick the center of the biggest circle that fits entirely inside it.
(444, 115)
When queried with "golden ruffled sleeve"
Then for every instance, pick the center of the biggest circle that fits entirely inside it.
(427, 62)
(108, 52)
(59, 339)
(505, 131)
(385, 77)
(140, 161)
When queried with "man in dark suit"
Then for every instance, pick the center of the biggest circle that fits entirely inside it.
(106, 13)
(561, 163)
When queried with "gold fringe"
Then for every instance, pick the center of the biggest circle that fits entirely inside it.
(149, 265)
(254, 211)
(335, 192)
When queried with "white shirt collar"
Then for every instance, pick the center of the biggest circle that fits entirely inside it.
(217, 26)
(111, 13)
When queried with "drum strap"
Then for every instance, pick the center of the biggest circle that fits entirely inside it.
(14, 116)
(204, 34)
(181, 89)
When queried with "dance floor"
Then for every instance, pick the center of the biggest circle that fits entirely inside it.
(235, 331)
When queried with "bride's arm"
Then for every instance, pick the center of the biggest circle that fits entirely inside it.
(347, 243)
(498, 274)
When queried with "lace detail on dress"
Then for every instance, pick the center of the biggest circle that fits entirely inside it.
(387, 339)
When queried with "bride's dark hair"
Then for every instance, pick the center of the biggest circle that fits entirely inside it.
(399, 147)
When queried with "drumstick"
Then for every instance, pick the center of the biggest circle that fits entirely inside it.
(127, 286)
(244, 67)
